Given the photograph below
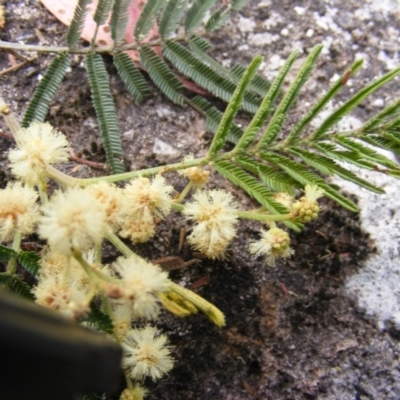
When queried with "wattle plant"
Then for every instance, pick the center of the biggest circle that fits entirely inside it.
(268, 160)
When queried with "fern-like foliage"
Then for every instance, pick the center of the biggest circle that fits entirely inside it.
(99, 321)
(27, 259)
(132, 77)
(171, 17)
(147, 18)
(39, 105)
(162, 75)
(16, 285)
(267, 157)
(119, 20)
(271, 160)
(30, 261)
(105, 111)
(102, 10)
(213, 118)
(6, 253)
(205, 76)
(191, 61)
(74, 31)
(196, 14)
(234, 106)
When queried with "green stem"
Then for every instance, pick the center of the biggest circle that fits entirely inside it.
(61, 178)
(262, 217)
(66, 180)
(86, 266)
(97, 253)
(43, 193)
(93, 42)
(16, 246)
(94, 275)
(65, 273)
(105, 301)
(184, 192)
(178, 207)
(121, 246)
(128, 381)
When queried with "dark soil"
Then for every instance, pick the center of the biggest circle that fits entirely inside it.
(291, 331)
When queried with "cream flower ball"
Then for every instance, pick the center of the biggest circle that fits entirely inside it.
(72, 222)
(38, 146)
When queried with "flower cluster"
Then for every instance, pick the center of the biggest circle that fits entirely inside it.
(19, 212)
(147, 353)
(274, 243)
(141, 281)
(198, 176)
(145, 201)
(74, 222)
(38, 146)
(307, 208)
(136, 393)
(215, 214)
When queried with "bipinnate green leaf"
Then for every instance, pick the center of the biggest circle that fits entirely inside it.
(105, 111)
(119, 20)
(266, 106)
(276, 180)
(16, 285)
(147, 18)
(233, 107)
(302, 175)
(349, 105)
(259, 84)
(367, 153)
(102, 12)
(29, 260)
(206, 77)
(381, 120)
(171, 17)
(323, 101)
(75, 28)
(6, 253)
(219, 17)
(100, 321)
(387, 142)
(217, 20)
(199, 43)
(196, 13)
(254, 188)
(249, 184)
(279, 116)
(213, 118)
(39, 105)
(132, 77)
(161, 75)
(199, 46)
(331, 150)
(329, 167)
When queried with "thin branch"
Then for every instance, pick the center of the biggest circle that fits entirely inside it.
(91, 164)
(74, 50)
(15, 67)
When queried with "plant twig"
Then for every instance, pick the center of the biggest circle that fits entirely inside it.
(14, 68)
(74, 50)
(91, 164)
